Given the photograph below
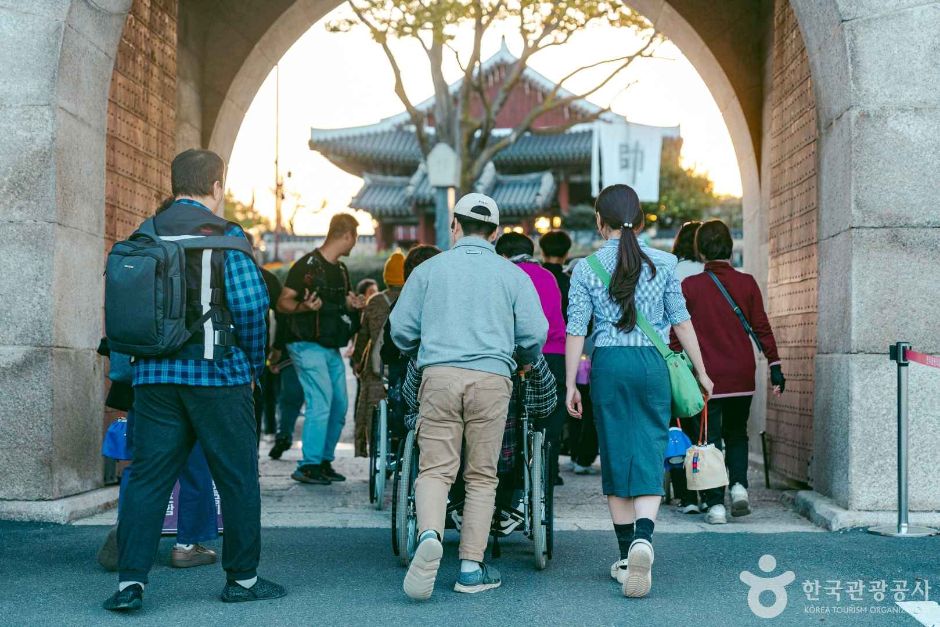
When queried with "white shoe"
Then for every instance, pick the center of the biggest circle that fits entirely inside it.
(716, 515)
(618, 571)
(739, 503)
(457, 517)
(691, 508)
(639, 577)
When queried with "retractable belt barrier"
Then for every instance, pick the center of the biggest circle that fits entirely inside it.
(902, 353)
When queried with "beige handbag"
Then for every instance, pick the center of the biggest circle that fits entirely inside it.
(704, 463)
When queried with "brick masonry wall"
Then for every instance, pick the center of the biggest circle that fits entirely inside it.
(793, 267)
(141, 137)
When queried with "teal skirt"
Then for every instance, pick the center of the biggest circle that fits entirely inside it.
(632, 402)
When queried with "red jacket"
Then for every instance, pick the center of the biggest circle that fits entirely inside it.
(726, 348)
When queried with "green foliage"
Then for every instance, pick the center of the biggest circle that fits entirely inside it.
(683, 195)
(580, 218)
(245, 215)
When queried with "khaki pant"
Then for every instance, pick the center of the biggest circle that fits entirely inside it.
(460, 405)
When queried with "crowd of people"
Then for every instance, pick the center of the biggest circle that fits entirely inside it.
(465, 320)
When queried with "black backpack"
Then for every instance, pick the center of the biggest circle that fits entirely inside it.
(145, 290)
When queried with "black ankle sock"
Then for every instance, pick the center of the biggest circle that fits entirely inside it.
(624, 538)
(644, 529)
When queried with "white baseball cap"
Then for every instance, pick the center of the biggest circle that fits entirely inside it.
(479, 207)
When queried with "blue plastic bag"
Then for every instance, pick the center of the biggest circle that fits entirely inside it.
(676, 447)
(115, 444)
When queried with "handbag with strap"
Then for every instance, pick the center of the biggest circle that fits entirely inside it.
(737, 311)
(705, 463)
(687, 399)
(676, 447)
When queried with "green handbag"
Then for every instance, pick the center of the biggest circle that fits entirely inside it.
(687, 399)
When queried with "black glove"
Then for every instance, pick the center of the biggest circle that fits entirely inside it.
(776, 377)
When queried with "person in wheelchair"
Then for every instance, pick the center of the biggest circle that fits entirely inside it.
(539, 401)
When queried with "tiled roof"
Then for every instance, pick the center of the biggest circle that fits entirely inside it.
(517, 195)
(397, 150)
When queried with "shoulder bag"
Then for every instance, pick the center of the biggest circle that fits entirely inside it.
(687, 399)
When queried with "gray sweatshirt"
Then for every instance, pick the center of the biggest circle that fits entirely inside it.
(469, 308)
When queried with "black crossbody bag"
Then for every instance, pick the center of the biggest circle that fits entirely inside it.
(737, 311)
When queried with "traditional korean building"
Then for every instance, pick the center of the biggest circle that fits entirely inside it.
(536, 179)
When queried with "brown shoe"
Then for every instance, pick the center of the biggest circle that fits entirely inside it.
(196, 556)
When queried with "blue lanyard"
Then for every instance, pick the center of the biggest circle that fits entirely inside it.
(193, 203)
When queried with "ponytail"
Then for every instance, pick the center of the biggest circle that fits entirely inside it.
(619, 208)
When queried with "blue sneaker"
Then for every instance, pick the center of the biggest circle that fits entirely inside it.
(484, 578)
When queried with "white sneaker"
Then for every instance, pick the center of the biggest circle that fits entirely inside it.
(457, 517)
(583, 470)
(739, 503)
(716, 515)
(639, 577)
(422, 572)
(618, 571)
(691, 508)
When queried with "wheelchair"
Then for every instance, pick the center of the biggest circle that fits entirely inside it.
(534, 514)
(385, 440)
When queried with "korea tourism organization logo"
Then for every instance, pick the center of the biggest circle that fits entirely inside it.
(767, 595)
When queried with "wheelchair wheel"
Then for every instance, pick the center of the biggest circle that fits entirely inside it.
(406, 519)
(549, 518)
(538, 473)
(380, 432)
(396, 482)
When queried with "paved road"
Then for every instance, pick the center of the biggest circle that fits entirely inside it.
(348, 576)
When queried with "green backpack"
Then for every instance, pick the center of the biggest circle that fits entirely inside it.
(687, 399)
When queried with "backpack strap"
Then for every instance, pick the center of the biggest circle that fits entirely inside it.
(737, 311)
(651, 333)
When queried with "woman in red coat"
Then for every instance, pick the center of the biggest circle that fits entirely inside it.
(728, 353)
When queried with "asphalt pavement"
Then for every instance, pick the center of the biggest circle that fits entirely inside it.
(349, 577)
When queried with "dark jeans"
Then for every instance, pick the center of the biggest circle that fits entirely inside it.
(727, 420)
(554, 424)
(266, 403)
(169, 420)
(582, 434)
(290, 401)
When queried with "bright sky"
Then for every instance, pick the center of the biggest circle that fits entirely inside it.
(332, 80)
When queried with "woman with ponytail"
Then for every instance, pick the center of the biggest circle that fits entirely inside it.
(629, 381)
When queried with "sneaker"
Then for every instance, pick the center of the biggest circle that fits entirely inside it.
(310, 474)
(740, 506)
(559, 480)
(457, 517)
(484, 578)
(281, 444)
(198, 555)
(129, 599)
(716, 515)
(618, 571)
(327, 469)
(639, 577)
(422, 572)
(504, 525)
(584, 470)
(108, 553)
(690, 508)
(261, 591)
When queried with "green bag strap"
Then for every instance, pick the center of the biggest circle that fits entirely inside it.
(595, 263)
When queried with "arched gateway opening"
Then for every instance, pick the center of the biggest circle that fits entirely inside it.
(132, 81)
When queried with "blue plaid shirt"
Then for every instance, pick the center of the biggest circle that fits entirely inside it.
(247, 300)
(659, 298)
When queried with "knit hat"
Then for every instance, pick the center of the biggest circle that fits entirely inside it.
(394, 273)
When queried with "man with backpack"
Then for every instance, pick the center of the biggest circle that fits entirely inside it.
(322, 315)
(184, 296)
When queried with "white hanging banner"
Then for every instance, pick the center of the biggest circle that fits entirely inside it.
(627, 153)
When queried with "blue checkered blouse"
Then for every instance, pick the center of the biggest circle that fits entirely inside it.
(247, 299)
(659, 298)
